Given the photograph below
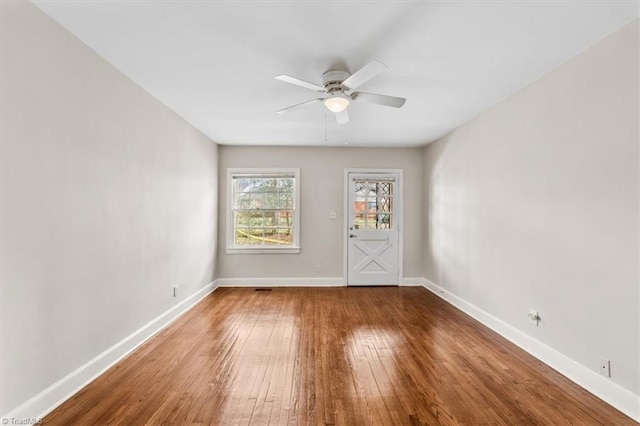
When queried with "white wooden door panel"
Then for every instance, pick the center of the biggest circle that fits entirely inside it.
(373, 237)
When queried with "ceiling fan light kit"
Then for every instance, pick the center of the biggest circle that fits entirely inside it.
(338, 87)
(336, 102)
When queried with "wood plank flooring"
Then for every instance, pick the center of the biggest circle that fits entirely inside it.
(335, 356)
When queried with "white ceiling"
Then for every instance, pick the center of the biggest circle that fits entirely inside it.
(213, 63)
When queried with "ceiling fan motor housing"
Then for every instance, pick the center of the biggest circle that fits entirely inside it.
(332, 80)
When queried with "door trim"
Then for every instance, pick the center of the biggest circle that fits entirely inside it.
(345, 219)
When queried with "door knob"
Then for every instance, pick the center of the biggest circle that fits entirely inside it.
(352, 235)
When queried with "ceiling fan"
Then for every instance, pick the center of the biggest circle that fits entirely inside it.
(339, 90)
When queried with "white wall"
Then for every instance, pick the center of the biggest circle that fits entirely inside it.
(322, 191)
(534, 204)
(108, 199)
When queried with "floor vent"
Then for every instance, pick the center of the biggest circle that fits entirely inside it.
(263, 289)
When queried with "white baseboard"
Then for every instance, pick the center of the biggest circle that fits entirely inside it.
(282, 282)
(613, 394)
(50, 398)
(411, 282)
(300, 282)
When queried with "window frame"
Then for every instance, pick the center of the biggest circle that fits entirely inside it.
(231, 248)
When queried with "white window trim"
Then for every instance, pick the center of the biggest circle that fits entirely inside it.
(292, 249)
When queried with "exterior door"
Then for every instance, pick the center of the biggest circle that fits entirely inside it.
(373, 250)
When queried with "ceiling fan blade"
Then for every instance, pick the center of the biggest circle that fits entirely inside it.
(342, 117)
(373, 98)
(298, 82)
(364, 74)
(300, 105)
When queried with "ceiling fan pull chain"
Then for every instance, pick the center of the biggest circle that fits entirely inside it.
(325, 127)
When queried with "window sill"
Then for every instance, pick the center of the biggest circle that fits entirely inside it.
(265, 250)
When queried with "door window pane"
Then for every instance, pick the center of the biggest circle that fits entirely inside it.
(373, 204)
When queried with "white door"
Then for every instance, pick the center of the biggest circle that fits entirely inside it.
(373, 251)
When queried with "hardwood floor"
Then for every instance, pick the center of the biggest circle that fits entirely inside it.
(343, 356)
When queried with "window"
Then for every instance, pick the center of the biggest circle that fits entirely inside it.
(263, 211)
(373, 204)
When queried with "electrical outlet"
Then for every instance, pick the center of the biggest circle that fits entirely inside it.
(605, 367)
(316, 268)
(175, 291)
(333, 215)
(534, 317)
